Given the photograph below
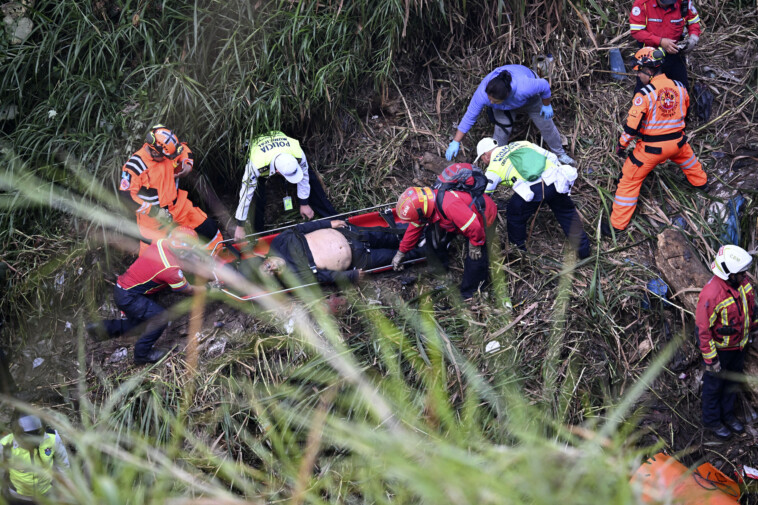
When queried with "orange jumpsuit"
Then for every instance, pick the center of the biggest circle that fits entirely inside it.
(149, 183)
(657, 117)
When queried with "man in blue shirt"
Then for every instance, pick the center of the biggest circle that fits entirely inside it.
(506, 91)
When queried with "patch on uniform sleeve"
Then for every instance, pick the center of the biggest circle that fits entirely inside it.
(48, 451)
(126, 180)
(636, 11)
(180, 274)
(637, 101)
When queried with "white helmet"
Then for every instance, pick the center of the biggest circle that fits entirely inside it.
(287, 165)
(485, 145)
(730, 259)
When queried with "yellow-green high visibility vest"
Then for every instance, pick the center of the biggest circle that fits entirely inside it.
(265, 148)
(30, 474)
(510, 160)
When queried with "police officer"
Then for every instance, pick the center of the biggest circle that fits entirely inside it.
(507, 91)
(274, 153)
(725, 315)
(29, 454)
(550, 183)
(661, 23)
(150, 187)
(657, 118)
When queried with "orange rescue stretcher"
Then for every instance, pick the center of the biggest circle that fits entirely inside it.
(383, 216)
(665, 480)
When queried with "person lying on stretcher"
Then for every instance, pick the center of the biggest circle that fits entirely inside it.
(332, 252)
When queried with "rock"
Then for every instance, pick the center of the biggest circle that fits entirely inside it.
(433, 163)
(681, 267)
(117, 356)
(216, 348)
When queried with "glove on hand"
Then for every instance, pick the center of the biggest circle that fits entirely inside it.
(714, 367)
(397, 260)
(727, 330)
(475, 252)
(691, 43)
(620, 151)
(547, 111)
(452, 150)
(160, 213)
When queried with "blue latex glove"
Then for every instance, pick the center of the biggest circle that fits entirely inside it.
(452, 150)
(547, 111)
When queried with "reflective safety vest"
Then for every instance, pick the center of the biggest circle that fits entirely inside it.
(658, 112)
(507, 168)
(30, 472)
(267, 147)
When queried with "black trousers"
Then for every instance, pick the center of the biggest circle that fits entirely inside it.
(675, 69)
(720, 393)
(138, 309)
(476, 273)
(317, 200)
(518, 212)
(374, 248)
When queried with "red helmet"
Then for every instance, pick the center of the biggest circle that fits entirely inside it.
(163, 142)
(182, 238)
(415, 204)
(649, 57)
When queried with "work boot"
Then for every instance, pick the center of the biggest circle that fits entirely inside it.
(605, 229)
(720, 431)
(566, 159)
(735, 425)
(154, 356)
(97, 331)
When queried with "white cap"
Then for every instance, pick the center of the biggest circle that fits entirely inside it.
(29, 423)
(485, 145)
(287, 165)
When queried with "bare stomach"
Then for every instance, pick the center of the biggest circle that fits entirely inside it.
(330, 249)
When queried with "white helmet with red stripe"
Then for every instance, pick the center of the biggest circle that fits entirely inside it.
(730, 259)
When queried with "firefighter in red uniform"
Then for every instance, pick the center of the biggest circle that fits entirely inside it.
(149, 184)
(661, 23)
(421, 206)
(657, 117)
(725, 315)
(157, 268)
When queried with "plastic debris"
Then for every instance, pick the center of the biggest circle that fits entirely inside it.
(60, 280)
(750, 472)
(680, 222)
(37, 362)
(732, 233)
(68, 326)
(218, 324)
(616, 62)
(117, 356)
(703, 101)
(289, 326)
(492, 346)
(657, 287)
(682, 376)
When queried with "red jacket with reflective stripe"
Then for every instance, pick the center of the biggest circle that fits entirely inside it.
(649, 22)
(720, 305)
(461, 217)
(657, 109)
(153, 271)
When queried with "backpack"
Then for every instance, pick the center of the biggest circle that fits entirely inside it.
(462, 177)
(528, 163)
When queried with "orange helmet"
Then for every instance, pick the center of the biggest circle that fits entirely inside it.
(182, 239)
(415, 204)
(649, 57)
(163, 142)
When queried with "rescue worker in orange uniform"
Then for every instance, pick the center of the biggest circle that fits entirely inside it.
(657, 118)
(661, 23)
(150, 186)
(453, 213)
(725, 316)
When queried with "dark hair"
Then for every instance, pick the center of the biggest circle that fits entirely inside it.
(499, 87)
